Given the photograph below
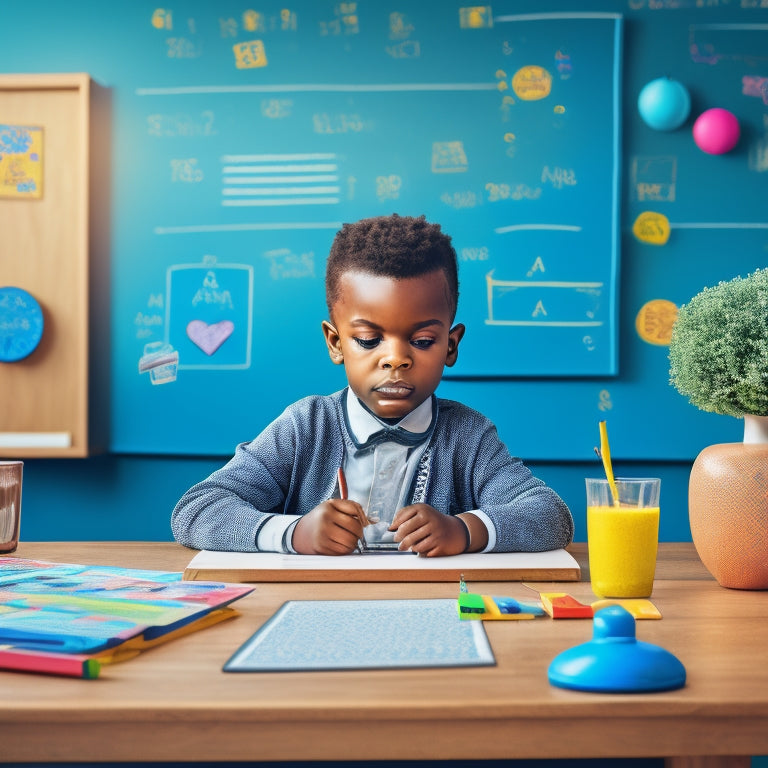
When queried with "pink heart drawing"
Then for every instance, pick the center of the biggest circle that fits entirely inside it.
(210, 337)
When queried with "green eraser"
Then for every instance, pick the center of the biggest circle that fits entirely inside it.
(471, 603)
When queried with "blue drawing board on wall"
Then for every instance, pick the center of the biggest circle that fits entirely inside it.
(253, 161)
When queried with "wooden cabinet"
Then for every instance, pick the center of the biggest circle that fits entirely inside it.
(53, 401)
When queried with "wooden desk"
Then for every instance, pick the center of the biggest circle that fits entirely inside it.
(173, 703)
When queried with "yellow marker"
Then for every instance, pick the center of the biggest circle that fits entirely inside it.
(605, 455)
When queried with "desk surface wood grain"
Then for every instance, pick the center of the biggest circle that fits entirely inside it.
(173, 703)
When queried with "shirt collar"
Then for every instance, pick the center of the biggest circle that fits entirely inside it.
(362, 423)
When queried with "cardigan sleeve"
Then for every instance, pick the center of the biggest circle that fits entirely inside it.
(527, 514)
(227, 510)
(287, 470)
(472, 469)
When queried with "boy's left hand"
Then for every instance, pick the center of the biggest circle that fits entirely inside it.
(423, 529)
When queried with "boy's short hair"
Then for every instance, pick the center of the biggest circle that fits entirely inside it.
(391, 246)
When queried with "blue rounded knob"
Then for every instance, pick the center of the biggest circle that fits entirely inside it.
(614, 661)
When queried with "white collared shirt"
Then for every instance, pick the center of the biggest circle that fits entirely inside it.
(358, 465)
(274, 535)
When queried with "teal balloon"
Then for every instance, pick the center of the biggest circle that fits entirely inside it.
(664, 104)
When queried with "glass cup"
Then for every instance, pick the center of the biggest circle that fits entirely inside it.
(623, 538)
(10, 504)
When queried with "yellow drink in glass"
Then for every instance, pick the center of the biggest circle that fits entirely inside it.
(623, 539)
(622, 550)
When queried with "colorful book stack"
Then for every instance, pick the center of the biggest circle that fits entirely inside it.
(68, 619)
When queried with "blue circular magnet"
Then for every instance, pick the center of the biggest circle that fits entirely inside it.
(614, 661)
(21, 324)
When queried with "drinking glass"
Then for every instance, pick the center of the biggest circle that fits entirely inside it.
(623, 535)
(10, 504)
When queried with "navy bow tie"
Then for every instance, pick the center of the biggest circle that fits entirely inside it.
(394, 435)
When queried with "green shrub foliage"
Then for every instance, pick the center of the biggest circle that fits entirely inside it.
(718, 352)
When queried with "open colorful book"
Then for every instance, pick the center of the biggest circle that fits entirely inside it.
(103, 612)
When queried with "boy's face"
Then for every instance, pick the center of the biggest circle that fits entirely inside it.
(394, 338)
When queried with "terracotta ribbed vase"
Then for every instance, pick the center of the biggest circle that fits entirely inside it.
(728, 509)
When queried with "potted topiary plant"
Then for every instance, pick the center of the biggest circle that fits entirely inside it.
(718, 357)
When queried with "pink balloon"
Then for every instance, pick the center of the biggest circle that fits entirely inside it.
(716, 131)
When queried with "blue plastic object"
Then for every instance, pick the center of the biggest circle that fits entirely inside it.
(507, 604)
(614, 661)
(21, 324)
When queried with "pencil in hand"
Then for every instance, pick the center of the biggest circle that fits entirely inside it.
(342, 484)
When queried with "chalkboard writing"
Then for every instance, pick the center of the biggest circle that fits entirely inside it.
(508, 144)
(525, 141)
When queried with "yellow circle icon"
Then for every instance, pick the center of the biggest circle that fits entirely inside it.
(654, 321)
(651, 227)
(532, 83)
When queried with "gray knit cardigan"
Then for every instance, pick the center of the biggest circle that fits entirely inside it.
(292, 466)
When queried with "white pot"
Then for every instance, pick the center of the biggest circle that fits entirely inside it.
(755, 429)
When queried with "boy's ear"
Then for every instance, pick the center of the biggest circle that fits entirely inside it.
(333, 342)
(454, 337)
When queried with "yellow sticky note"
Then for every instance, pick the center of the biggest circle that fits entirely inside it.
(638, 607)
(21, 161)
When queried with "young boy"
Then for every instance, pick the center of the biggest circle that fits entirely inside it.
(384, 462)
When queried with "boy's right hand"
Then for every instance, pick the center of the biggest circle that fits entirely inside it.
(331, 528)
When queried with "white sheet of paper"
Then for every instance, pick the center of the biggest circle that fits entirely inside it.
(210, 560)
